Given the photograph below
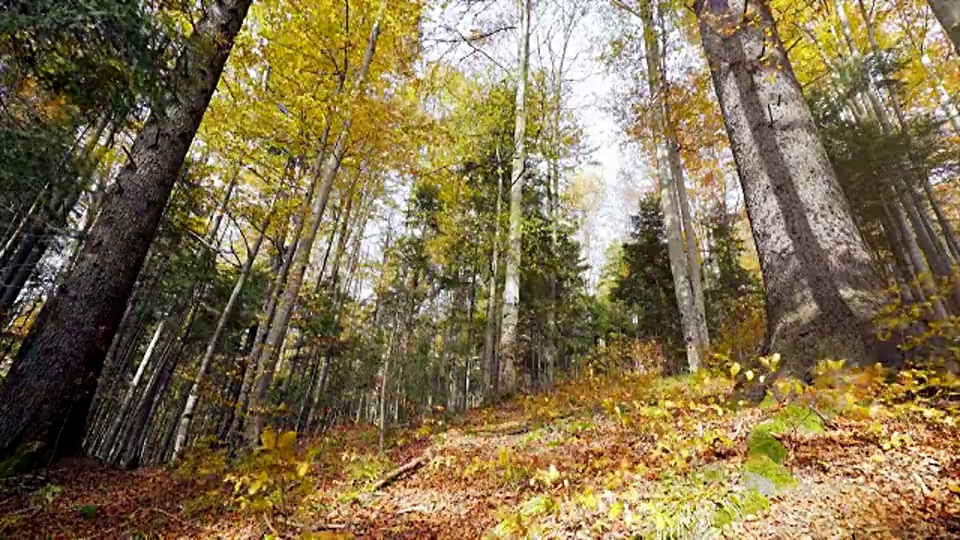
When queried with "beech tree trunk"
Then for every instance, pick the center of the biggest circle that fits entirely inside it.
(491, 366)
(326, 170)
(49, 389)
(821, 287)
(511, 288)
(671, 180)
(183, 426)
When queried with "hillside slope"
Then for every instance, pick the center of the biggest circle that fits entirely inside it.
(634, 456)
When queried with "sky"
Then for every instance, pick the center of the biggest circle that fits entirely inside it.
(616, 171)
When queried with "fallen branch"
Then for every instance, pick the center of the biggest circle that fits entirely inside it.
(508, 428)
(316, 527)
(400, 471)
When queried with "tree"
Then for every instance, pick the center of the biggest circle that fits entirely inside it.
(822, 290)
(948, 13)
(45, 397)
(511, 289)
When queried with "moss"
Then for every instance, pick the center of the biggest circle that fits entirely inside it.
(803, 419)
(774, 472)
(25, 458)
(762, 443)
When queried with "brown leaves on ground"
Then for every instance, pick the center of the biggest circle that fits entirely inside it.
(605, 458)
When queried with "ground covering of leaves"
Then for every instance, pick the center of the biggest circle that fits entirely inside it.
(858, 454)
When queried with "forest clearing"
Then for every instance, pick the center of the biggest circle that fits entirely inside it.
(479, 269)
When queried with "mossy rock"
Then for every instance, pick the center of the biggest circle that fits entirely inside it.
(762, 443)
(766, 475)
(802, 419)
(763, 440)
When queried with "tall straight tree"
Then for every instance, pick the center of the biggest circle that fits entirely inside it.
(948, 13)
(45, 397)
(324, 173)
(681, 238)
(511, 287)
(822, 289)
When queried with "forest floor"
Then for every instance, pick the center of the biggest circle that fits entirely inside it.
(858, 456)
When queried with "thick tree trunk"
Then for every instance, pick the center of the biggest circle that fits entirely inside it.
(509, 345)
(948, 13)
(822, 289)
(47, 394)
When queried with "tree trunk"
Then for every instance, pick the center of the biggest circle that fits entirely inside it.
(948, 13)
(821, 287)
(671, 180)
(47, 394)
(326, 171)
(276, 290)
(491, 365)
(511, 290)
(186, 416)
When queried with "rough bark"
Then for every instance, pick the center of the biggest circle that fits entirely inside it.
(948, 13)
(511, 289)
(821, 287)
(47, 394)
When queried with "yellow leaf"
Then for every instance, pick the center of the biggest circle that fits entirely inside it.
(615, 510)
(269, 438)
(953, 487)
(734, 369)
(303, 468)
(287, 439)
(255, 486)
(749, 375)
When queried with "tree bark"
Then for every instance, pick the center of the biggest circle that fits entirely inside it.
(47, 394)
(821, 287)
(509, 345)
(492, 371)
(948, 13)
(326, 171)
(671, 181)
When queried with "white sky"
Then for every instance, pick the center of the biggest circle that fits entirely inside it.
(591, 95)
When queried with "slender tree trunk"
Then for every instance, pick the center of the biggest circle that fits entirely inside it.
(187, 415)
(491, 365)
(670, 176)
(128, 398)
(326, 171)
(251, 363)
(47, 394)
(822, 289)
(509, 345)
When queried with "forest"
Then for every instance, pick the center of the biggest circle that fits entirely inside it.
(479, 269)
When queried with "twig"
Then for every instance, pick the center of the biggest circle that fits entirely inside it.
(826, 422)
